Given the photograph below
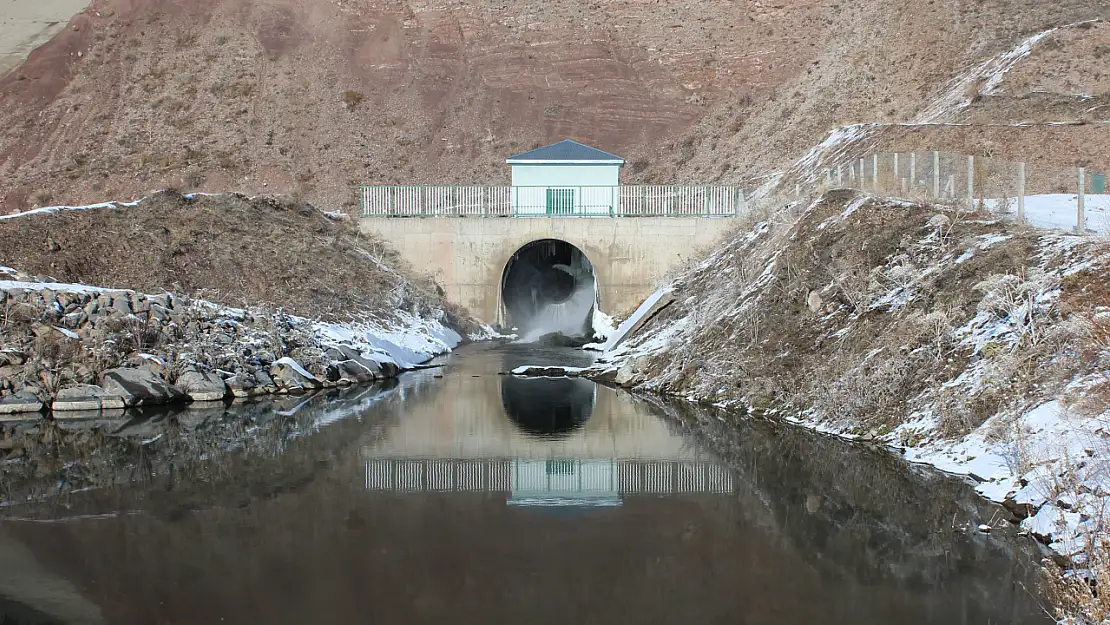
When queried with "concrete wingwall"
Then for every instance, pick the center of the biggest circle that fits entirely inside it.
(467, 256)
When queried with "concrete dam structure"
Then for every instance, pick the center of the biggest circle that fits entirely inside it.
(507, 270)
(539, 255)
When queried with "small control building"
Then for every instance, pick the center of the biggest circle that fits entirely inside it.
(565, 179)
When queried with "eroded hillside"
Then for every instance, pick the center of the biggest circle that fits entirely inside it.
(314, 98)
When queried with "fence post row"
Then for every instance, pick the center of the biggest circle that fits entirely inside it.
(1080, 216)
(971, 182)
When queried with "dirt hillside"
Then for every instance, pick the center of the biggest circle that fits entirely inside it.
(229, 249)
(313, 98)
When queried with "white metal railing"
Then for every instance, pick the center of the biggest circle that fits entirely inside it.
(557, 201)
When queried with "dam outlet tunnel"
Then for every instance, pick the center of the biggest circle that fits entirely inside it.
(549, 286)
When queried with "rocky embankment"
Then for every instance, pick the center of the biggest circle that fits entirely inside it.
(82, 350)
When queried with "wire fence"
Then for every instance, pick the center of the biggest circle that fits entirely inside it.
(1072, 199)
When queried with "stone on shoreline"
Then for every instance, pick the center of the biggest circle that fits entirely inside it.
(242, 384)
(292, 377)
(20, 402)
(140, 387)
(86, 397)
(201, 386)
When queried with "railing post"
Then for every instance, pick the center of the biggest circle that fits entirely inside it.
(392, 200)
(913, 170)
(1021, 193)
(936, 175)
(896, 172)
(971, 182)
(875, 172)
(1081, 213)
(705, 190)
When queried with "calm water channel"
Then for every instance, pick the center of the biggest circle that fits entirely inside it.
(479, 498)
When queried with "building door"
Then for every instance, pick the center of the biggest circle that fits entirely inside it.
(560, 201)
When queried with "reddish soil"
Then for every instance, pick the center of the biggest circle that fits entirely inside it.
(311, 98)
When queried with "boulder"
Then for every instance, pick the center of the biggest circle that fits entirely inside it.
(86, 397)
(608, 376)
(140, 387)
(292, 377)
(265, 382)
(630, 372)
(20, 402)
(356, 371)
(558, 339)
(200, 386)
(121, 302)
(389, 369)
(242, 384)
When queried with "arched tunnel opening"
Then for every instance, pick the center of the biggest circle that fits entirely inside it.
(549, 286)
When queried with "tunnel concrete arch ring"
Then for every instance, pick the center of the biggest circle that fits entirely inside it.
(549, 285)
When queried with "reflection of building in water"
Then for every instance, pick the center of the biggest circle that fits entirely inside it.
(546, 442)
(551, 481)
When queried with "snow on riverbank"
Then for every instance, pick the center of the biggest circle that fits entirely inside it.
(970, 346)
(406, 341)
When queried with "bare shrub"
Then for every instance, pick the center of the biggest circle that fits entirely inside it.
(193, 178)
(351, 99)
(1080, 596)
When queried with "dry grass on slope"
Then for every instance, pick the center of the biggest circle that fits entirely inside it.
(864, 309)
(229, 249)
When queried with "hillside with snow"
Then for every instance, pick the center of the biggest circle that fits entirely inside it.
(968, 343)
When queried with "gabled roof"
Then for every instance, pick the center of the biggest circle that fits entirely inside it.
(565, 151)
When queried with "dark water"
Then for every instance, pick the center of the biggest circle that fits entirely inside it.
(478, 498)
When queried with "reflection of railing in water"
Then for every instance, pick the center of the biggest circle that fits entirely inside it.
(556, 476)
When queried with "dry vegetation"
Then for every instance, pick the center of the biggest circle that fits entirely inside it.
(853, 317)
(238, 251)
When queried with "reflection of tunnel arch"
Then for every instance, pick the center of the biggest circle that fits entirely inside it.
(549, 286)
(548, 406)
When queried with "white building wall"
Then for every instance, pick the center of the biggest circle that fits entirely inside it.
(594, 187)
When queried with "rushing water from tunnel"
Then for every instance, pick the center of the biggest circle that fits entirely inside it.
(548, 287)
(482, 498)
